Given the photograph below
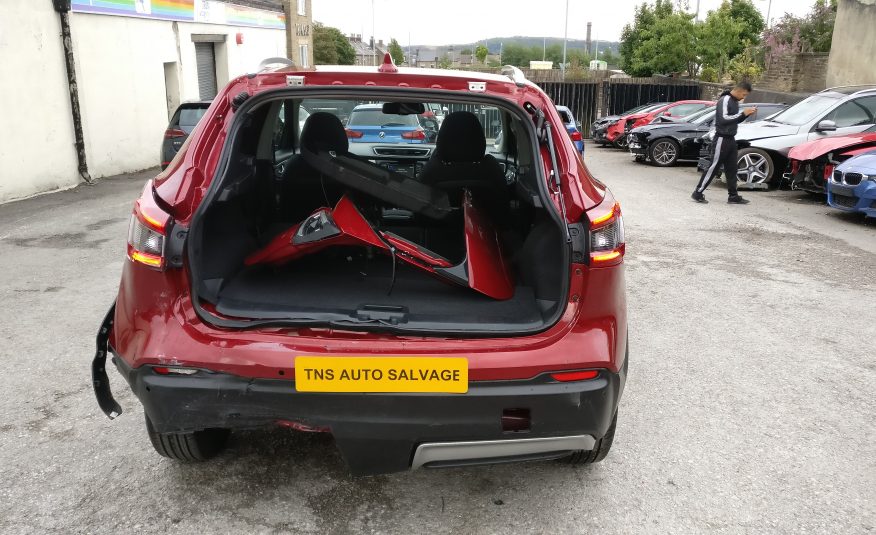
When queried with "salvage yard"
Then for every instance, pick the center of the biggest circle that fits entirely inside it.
(749, 405)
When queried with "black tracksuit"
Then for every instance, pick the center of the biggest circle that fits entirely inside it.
(727, 117)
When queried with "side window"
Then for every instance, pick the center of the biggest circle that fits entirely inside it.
(852, 113)
(685, 109)
(869, 104)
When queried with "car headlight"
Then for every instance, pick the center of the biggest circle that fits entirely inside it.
(710, 136)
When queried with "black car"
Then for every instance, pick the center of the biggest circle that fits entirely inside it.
(184, 120)
(666, 143)
(599, 129)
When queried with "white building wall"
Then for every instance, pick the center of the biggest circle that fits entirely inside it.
(37, 151)
(120, 69)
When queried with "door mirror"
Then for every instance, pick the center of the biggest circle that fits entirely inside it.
(826, 126)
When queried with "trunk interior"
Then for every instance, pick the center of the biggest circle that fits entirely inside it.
(363, 288)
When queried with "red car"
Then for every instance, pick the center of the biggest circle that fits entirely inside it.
(430, 305)
(812, 163)
(617, 133)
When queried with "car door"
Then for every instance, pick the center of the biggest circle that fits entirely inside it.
(851, 117)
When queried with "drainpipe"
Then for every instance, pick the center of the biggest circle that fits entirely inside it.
(63, 9)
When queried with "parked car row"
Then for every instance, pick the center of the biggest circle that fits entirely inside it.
(823, 144)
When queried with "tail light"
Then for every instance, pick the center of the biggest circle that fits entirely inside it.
(795, 167)
(354, 134)
(607, 241)
(171, 133)
(576, 136)
(176, 370)
(414, 134)
(147, 233)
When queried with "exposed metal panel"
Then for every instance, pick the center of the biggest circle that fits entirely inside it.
(205, 60)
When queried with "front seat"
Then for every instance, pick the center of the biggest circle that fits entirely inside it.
(304, 188)
(460, 162)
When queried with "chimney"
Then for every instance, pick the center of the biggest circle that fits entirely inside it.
(380, 43)
(589, 42)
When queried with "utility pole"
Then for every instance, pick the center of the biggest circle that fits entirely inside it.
(698, 11)
(373, 37)
(769, 9)
(543, 47)
(565, 38)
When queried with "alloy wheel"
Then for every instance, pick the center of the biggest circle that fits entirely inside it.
(664, 153)
(753, 169)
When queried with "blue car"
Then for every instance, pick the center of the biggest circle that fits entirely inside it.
(852, 188)
(374, 133)
(572, 128)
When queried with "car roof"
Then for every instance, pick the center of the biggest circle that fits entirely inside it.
(847, 90)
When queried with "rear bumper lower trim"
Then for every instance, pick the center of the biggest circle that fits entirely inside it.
(482, 451)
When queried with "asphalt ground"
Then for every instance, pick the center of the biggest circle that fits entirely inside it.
(749, 407)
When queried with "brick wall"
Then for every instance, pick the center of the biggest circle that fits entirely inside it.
(793, 73)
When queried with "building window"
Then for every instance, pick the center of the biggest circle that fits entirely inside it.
(302, 8)
(302, 55)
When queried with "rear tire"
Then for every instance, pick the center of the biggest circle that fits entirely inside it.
(193, 447)
(599, 451)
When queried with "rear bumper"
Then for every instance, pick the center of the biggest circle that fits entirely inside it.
(381, 433)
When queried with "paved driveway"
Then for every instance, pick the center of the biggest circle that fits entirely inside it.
(750, 405)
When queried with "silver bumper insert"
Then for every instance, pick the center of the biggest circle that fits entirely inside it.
(484, 450)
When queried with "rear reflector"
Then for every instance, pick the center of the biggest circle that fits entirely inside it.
(567, 377)
(167, 370)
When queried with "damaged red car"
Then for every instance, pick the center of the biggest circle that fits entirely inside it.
(812, 164)
(427, 304)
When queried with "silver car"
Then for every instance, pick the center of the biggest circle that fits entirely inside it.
(764, 145)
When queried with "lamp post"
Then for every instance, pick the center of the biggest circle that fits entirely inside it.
(565, 38)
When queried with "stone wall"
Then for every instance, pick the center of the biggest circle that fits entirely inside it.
(796, 73)
(854, 46)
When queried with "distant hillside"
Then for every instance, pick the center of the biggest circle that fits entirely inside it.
(495, 43)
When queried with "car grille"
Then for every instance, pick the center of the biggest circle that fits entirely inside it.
(844, 201)
(853, 179)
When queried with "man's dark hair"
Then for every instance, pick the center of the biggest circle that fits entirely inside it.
(744, 85)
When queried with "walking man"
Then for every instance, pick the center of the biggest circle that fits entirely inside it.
(727, 117)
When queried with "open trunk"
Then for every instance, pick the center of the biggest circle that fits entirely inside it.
(417, 273)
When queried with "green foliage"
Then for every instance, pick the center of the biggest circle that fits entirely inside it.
(610, 57)
(331, 47)
(481, 52)
(745, 67)
(444, 62)
(668, 45)
(395, 50)
(709, 74)
(791, 34)
(520, 56)
(465, 52)
(720, 38)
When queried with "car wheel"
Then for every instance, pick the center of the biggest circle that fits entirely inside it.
(755, 166)
(599, 451)
(193, 447)
(663, 152)
(621, 142)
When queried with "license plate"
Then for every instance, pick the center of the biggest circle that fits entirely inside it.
(381, 374)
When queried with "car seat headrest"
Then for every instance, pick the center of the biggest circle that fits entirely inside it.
(324, 132)
(461, 138)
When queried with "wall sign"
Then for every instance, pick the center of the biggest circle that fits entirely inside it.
(203, 11)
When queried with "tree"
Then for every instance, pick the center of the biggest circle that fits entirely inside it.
(481, 52)
(633, 35)
(812, 33)
(444, 62)
(395, 50)
(744, 66)
(668, 44)
(465, 52)
(719, 39)
(331, 47)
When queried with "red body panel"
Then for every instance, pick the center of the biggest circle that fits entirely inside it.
(820, 147)
(617, 129)
(156, 323)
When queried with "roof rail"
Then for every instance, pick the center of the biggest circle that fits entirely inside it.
(275, 62)
(864, 87)
(515, 74)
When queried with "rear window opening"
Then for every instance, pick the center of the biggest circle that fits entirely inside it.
(381, 215)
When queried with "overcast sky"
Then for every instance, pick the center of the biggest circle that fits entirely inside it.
(437, 22)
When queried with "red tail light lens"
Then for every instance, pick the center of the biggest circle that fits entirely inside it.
(414, 134)
(576, 136)
(147, 231)
(607, 239)
(167, 370)
(354, 134)
(567, 377)
(171, 133)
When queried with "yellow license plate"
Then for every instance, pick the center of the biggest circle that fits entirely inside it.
(381, 374)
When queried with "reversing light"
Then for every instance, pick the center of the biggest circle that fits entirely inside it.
(568, 377)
